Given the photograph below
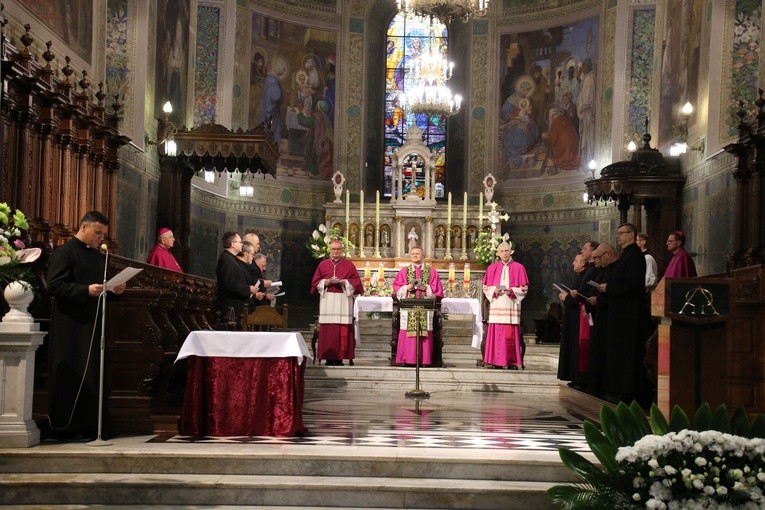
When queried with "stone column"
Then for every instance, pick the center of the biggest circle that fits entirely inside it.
(18, 343)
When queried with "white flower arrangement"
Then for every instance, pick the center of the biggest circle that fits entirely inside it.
(318, 243)
(13, 251)
(485, 248)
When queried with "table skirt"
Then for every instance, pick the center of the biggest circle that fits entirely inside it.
(243, 397)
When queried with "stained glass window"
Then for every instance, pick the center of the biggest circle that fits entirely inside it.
(408, 38)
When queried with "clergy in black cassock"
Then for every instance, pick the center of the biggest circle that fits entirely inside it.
(623, 377)
(75, 280)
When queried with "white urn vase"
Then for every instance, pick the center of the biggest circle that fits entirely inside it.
(18, 295)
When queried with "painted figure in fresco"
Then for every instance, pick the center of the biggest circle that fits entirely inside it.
(569, 108)
(562, 141)
(257, 82)
(586, 110)
(540, 96)
(319, 140)
(329, 87)
(519, 130)
(271, 101)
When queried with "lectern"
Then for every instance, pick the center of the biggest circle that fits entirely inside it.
(417, 309)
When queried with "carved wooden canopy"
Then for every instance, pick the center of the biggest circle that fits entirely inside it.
(212, 146)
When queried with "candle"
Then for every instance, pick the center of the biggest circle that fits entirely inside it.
(449, 209)
(480, 210)
(451, 272)
(367, 272)
(377, 207)
(464, 209)
(361, 210)
(380, 273)
(466, 275)
(347, 209)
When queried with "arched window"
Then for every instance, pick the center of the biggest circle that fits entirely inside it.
(409, 36)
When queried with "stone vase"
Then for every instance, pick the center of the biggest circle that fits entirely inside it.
(18, 295)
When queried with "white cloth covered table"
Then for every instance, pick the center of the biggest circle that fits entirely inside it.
(366, 304)
(244, 344)
(466, 306)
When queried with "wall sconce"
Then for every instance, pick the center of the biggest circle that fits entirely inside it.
(681, 130)
(246, 189)
(166, 132)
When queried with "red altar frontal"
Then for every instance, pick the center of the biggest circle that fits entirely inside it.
(243, 384)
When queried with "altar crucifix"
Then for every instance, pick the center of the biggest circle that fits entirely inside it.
(494, 218)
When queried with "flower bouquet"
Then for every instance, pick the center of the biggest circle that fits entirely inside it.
(715, 462)
(318, 243)
(14, 255)
(486, 246)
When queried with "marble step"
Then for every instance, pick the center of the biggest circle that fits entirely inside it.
(270, 491)
(273, 476)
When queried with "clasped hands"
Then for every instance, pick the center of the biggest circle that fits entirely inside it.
(421, 287)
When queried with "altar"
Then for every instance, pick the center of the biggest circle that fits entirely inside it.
(415, 214)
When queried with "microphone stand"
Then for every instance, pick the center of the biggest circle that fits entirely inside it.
(99, 441)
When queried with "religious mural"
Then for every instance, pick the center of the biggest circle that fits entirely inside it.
(292, 91)
(70, 20)
(171, 78)
(679, 63)
(548, 97)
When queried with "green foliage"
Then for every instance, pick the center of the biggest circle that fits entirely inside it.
(610, 485)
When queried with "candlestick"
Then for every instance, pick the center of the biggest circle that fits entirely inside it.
(464, 209)
(480, 211)
(449, 210)
(347, 211)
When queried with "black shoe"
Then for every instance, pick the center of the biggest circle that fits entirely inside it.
(512, 367)
(350, 362)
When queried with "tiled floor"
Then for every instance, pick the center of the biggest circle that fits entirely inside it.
(466, 420)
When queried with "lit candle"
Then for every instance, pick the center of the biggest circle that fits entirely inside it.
(367, 272)
(480, 210)
(449, 210)
(347, 209)
(451, 272)
(464, 209)
(466, 275)
(361, 210)
(380, 273)
(377, 207)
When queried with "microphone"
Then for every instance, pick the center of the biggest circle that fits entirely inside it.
(104, 248)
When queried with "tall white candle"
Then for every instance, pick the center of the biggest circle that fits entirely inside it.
(464, 209)
(377, 207)
(361, 210)
(347, 209)
(480, 210)
(449, 210)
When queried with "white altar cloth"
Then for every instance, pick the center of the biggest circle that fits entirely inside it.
(244, 344)
(366, 304)
(466, 306)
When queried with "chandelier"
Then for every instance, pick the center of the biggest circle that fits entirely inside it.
(446, 10)
(429, 93)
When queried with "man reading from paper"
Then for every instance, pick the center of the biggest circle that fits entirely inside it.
(505, 284)
(417, 280)
(336, 280)
(75, 280)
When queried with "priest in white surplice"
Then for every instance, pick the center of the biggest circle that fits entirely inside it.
(336, 280)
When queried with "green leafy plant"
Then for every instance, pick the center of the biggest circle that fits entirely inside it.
(711, 462)
(486, 246)
(14, 255)
(318, 243)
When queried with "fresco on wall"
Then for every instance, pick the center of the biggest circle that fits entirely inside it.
(548, 102)
(744, 65)
(292, 90)
(70, 20)
(171, 78)
(117, 70)
(679, 63)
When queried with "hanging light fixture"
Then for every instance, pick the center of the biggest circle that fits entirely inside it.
(429, 93)
(446, 10)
